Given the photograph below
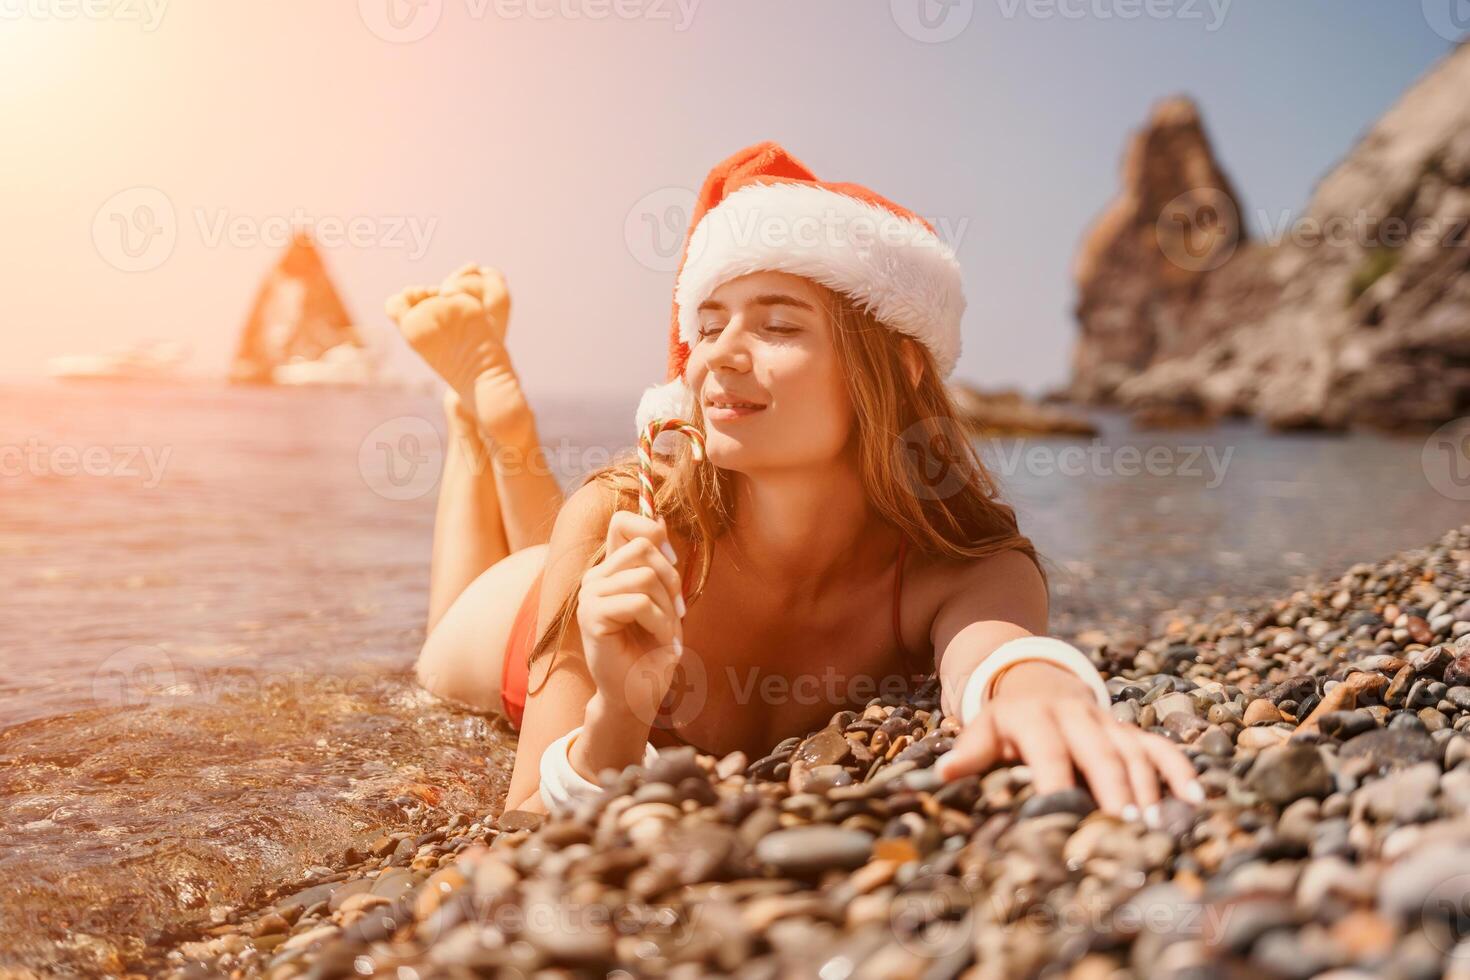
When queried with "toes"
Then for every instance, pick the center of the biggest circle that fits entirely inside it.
(398, 304)
(406, 299)
(462, 280)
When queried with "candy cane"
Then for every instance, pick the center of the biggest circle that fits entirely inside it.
(645, 456)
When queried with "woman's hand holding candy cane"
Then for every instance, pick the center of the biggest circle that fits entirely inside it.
(630, 611)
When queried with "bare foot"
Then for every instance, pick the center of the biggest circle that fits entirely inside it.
(459, 328)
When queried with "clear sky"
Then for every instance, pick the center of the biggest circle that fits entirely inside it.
(560, 140)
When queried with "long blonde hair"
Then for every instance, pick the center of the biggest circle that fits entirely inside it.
(902, 430)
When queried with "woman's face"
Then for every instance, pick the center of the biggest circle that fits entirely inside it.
(766, 372)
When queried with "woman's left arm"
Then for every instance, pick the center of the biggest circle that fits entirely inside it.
(1041, 714)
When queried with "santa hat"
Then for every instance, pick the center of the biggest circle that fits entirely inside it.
(763, 210)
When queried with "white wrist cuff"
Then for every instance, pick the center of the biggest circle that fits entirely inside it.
(563, 788)
(979, 688)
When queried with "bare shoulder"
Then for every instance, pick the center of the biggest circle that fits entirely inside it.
(585, 513)
(1003, 586)
(581, 526)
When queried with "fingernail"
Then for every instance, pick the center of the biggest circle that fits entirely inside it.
(668, 551)
(1151, 815)
(678, 647)
(1130, 812)
(679, 606)
(1194, 792)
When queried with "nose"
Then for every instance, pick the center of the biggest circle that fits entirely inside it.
(730, 349)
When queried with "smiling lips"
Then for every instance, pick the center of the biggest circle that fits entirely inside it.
(723, 409)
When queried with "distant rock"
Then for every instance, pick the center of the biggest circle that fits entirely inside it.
(296, 318)
(1356, 313)
(1130, 288)
(1009, 413)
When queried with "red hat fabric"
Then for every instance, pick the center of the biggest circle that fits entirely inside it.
(761, 209)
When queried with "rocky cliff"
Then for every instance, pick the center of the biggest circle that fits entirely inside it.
(1352, 312)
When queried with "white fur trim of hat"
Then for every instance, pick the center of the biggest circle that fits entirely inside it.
(896, 268)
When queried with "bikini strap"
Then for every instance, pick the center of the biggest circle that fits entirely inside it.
(897, 598)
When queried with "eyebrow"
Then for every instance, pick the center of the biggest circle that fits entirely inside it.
(765, 299)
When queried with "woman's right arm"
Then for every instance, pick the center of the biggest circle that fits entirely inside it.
(606, 676)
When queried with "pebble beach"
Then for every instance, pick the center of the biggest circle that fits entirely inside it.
(1330, 727)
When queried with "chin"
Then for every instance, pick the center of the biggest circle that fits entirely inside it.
(727, 452)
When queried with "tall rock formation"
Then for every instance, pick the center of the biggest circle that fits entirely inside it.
(297, 313)
(1143, 264)
(1355, 313)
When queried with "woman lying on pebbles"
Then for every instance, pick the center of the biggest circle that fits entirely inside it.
(840, 536)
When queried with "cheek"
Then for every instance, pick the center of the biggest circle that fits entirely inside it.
(813, 400)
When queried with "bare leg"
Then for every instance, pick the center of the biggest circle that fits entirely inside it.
(469, 533)
(497, 495)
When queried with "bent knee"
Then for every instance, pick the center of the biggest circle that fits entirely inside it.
(449, 668)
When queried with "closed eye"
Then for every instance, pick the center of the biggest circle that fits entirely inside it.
(784, 329)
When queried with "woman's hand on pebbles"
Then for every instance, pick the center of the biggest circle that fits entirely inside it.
(1122, 764)
(629, 609)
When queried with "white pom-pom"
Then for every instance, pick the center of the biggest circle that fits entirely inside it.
(671, 400)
